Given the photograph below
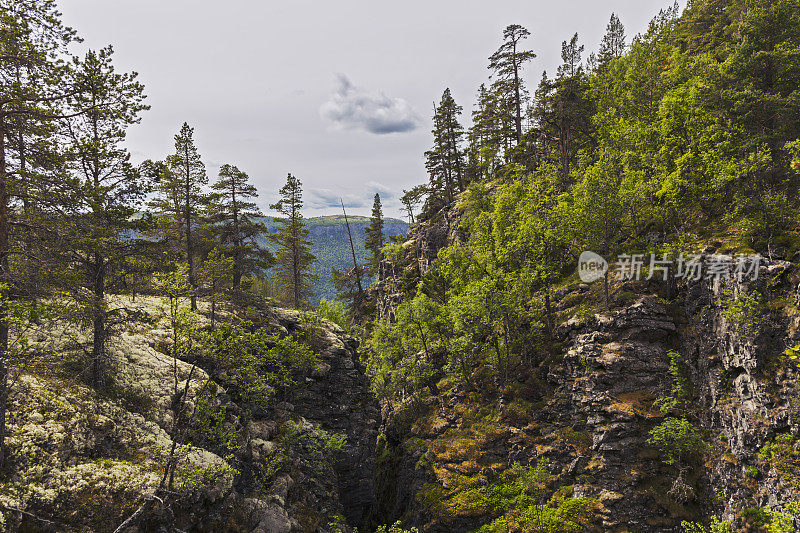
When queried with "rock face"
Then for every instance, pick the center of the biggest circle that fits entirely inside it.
(615, 366)
(748, 392)
(338, 399)
(594, 409)
(422, 245)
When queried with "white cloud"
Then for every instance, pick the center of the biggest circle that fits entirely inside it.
(352, 107)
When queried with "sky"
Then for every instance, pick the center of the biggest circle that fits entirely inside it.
(339, 93)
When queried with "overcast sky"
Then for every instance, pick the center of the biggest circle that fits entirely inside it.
(339, 93)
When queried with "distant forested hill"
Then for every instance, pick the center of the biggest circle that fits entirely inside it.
(332, 248)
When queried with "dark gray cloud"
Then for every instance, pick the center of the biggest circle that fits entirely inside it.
(352, 107)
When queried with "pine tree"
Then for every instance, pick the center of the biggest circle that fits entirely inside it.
(613, 44)
(293, 258)
(99, 200)
(233, 214)
(506, 64)
(185, 187)
(486, 135)
(348, 282)
(411, 199)
(32, 41)
(444, 160)
(373, 242)
(563, 110)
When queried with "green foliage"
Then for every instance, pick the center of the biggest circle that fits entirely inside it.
(335, 312)
(212, 425)
(293, 256)
(773, 520)
(444, 161)
(257, 363)
(680, 387)
(215, 275)
(746, 311)
(318, 445)
(716, 526)
(234, 216)
(678, 440)
(331, 247)
(405, 355)
(781, 455)
(397, 527)
(791, 354)
(373, 241)
(525, 502)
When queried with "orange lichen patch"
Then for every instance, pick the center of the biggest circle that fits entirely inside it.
(611, 348)
(429, 423)
(636, 403)
(466, 443)
(469, 468)
(728, 457)
(596, 463)
(458, 459)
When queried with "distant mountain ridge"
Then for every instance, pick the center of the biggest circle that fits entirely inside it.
(332, 247)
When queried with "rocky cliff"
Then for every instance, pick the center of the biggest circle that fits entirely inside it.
(588, 409)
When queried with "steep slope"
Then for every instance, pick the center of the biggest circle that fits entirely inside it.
(590, 409)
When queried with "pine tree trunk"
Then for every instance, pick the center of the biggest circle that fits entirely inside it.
(517, 102)
(4, 280)
(190, 255)
(188, 223)
(99, 363)
(238, 269)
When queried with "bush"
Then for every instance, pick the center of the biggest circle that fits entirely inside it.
(397, 527)
(335, 312)
(717, 526)
(746, 312)
(523, 498)
(256, 362)
(781, 455)
(677, 439)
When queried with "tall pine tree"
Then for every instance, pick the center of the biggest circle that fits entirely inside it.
(563, 110)
(613, 44)
(100, 198)
(506, 64)
(373, 242)
(293, 257)
(234, 214)
(182, 196)
(445, 160)
(33, 41)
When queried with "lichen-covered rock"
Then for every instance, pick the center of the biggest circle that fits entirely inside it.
(86, 461)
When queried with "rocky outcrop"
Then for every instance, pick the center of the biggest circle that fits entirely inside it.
(748, 389)
(398, 275)
(337, 398)
(595, 407)
(83, 461)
